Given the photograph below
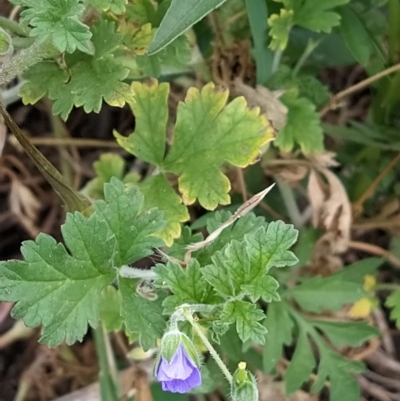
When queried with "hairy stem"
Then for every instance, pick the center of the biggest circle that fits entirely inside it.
(211, 349)
(23, 60)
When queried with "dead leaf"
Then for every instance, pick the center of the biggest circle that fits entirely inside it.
(331, 206)
(268, 102)
(25, 206)
(323, 160)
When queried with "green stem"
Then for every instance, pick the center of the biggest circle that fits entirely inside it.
(12, 26)
(210, 348)
(277, 60)
(311, 46)
(290, 203)
(109, 388)
(22, 43)
(25, 59)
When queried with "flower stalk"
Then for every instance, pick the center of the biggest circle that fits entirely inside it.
(189, 317)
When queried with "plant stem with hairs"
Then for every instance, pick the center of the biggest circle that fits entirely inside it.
(25, 59)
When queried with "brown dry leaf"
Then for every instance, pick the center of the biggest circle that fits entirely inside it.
(247, 206)
(268, 102)
(323, 160)
(25, 206)
(290, 173)
(331, 207)
(316, 195)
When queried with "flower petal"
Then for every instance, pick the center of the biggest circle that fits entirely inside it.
(180, 367)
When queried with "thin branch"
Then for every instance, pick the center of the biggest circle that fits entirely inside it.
(361, 85)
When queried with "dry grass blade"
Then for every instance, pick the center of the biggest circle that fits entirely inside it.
(243, 210)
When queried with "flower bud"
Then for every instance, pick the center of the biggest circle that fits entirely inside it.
(244, 387)
(177, 365)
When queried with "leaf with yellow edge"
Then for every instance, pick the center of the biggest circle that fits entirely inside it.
(150, 109)
(158, 193)
(209, 133)
(280, 26)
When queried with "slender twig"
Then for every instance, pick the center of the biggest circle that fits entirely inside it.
(357, 205)
(242, 183)
(375, 250)
(361, 85)
(80, 143)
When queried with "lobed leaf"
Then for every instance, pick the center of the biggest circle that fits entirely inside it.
(61, 287)
(303, 127)
(247, 317)
(59, 21)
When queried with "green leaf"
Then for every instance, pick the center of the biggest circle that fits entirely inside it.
(159, 194)
(258, 15)
(247, 317)
(141, 315)
(136, 240)
(352, 334)
(279, 327)
(110, 309)
(316, 15)
(109, 165)
(326, 293)
(241, 267)
(86, 80)
(358, 39)
(42, 78)
(357, 271)
(187, 285)
(59, 21)
(303, 127)
(61, 286)
(151, 115)
(393, 302)
(58, 289)
(179, 18)
(201, 139)
(280, 26)
(301, 365)
(340, 371)
(176, 55)
(313, 89)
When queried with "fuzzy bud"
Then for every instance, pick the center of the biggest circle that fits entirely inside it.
(244, 387)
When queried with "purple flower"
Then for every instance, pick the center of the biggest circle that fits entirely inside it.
(176, 370)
